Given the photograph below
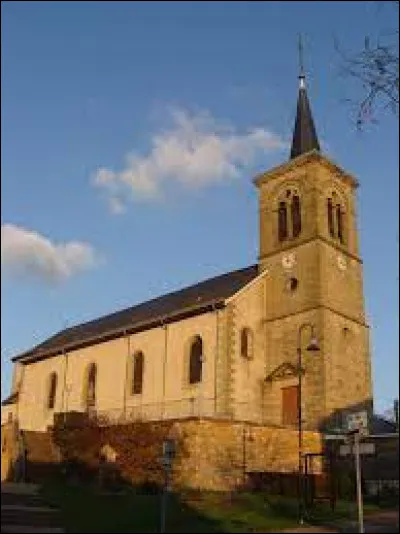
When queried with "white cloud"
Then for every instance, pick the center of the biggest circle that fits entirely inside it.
(196, 151)
(25, 252)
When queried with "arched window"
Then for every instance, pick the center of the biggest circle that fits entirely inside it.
(335, 214)
(296, 216)
(51, 398)
(339, 223)
(246, 343)
(91, 386)
(196, 360)
(138, 367)
(282, 222)
(331, 226)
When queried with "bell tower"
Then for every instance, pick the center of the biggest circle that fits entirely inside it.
(309, 248)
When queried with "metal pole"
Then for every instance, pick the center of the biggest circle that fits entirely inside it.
(164, 501)
(358, 476)
(300, 429)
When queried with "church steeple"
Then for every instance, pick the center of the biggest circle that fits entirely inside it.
(304, 135)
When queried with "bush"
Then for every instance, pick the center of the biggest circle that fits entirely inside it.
(137, 448)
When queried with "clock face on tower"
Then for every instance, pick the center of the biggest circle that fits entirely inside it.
(289, 260)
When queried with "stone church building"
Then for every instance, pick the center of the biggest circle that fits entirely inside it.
(226, 349)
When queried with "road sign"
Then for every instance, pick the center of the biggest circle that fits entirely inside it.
(358, 421)
(334, 437)
(169, 451)
(364, 448)
(169, 448)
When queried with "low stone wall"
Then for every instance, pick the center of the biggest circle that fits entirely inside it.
(40, 453)
(212, 454)
(221, 453)
(9, 450)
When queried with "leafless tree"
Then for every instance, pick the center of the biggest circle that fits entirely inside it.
(376, 68)
(392, 414)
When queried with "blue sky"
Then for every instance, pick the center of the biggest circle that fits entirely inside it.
(105, 201)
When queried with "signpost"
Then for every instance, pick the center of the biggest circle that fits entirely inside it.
(169, 450)
(358, 476)
(357, 426)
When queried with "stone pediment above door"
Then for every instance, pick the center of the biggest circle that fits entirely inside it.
(284, 370)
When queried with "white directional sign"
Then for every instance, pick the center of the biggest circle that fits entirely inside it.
(364, 448)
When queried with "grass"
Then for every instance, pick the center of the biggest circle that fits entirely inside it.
(85, 509)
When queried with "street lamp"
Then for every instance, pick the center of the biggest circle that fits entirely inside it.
(311, 347)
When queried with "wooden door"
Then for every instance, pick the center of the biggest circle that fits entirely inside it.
(290, 405)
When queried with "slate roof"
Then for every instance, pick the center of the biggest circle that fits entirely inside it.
(11, 399)
(304, 136)
(186, 302)
(381, 425)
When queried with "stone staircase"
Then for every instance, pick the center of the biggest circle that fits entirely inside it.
(24, 510)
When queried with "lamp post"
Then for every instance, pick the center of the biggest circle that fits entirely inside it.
(311, 347)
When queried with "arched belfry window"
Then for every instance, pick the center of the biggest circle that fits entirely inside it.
(289, 215)
(331, 226)
(91, 383)
(282, 222)
(138, 369)
(51, 398)
(246, 343)
(339, 222)
(335, 217)
(296, 216)
(196, 360)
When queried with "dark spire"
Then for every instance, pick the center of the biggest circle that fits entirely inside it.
(304, 135)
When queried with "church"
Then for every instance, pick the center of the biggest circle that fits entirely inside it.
(260, 345)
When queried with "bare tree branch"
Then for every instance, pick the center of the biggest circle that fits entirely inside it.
(376, 67)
